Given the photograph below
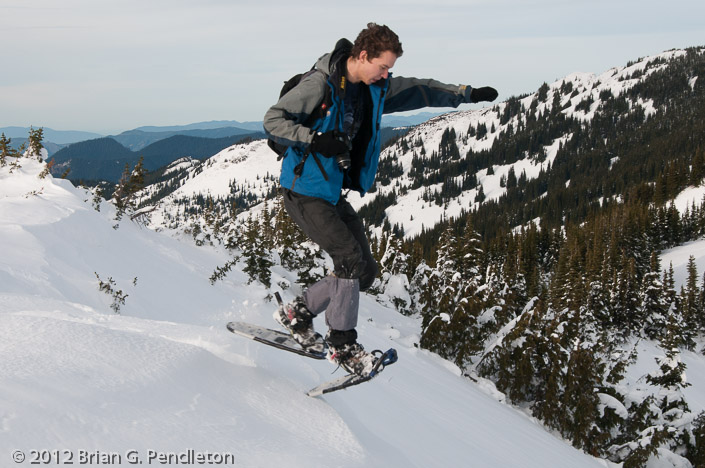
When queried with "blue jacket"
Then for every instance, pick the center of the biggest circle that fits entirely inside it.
(319, 94)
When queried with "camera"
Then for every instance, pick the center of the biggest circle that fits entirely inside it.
(343, 159)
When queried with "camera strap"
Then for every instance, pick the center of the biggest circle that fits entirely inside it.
(299, 169)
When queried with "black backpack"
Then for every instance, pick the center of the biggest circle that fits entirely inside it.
(318, 113)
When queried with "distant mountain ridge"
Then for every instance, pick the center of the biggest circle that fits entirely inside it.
(99, 159)
(393, 120)
(210, 125)
(137, 139)
(60, 137)
(210, 129)
(105, 158)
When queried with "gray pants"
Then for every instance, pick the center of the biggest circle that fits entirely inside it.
(339, 231)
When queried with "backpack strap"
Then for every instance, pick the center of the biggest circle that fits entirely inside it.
(318, 113)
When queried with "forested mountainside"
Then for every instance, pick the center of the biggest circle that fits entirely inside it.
(572, 148)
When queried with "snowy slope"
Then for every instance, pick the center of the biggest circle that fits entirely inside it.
(679, 256)
(166, 376)
(251, 167)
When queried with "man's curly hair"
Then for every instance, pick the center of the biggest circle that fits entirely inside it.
(376, 39)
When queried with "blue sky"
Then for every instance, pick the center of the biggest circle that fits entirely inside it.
(113, 65)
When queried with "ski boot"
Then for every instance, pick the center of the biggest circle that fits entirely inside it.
(296, 318)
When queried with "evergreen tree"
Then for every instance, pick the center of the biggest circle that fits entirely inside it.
(419, 290)
(470, 255)
(701, 307)
(394, 261)
(258, 261)
(311, 264)
(394, 283)
(35, 143)
(583, 378)
(285, 233)
(6, 150)
(625, 298)
(654, 309)
(670, 378)
(598, 294)
(696, 450)
(669, 286)
(443, 285)
(131, 182)
(267, 225)
(691, 305)
(671, 371)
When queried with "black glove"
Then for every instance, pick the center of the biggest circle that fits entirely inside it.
(329, 144)
(480, 94)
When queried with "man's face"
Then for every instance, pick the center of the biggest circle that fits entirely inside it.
(376, 68)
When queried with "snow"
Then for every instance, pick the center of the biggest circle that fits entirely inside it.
(679, 257)
(666, 459)
(608, 401)
(164, 379)
(255, 159)
(691, 82)
(180, 164)
(689, 197)
(635, 383)
(253, 165)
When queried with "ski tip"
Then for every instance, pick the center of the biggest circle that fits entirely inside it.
(279, 298)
